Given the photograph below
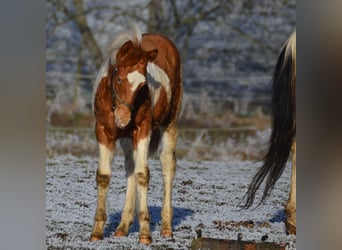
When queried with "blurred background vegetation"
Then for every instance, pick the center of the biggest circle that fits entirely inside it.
(228, 49)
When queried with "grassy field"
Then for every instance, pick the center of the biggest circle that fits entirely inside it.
(208, 130)
(223, 161)
(243, 143)
(206, 198)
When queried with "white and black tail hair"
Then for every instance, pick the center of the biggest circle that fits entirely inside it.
(132, 34)
(283, 122)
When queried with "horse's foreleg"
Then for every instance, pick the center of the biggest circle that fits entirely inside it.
(102, 180)
(291, 203)
(142, 177)
(168, 161)
(128, 210)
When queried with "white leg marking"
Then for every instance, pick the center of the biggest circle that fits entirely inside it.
(106, 157)
(135, 78)
(141, 154)
(157, 78)
(141, 167)
(103, 170)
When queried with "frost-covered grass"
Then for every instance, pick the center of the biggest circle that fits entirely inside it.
(206, 197)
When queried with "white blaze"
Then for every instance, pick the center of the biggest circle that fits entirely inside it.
(135, 78)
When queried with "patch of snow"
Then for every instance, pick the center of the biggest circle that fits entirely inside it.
(206, 196)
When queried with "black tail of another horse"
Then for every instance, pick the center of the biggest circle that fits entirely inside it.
(283, 125)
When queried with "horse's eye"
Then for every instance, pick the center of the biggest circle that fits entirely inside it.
(119, 80)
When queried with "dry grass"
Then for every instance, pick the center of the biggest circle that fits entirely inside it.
(208, 131)
(194, 144)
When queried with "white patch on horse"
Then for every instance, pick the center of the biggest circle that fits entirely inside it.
(106, 157)
(140, 154)
(157, 79)
(135, 78)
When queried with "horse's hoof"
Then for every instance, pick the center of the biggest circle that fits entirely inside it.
(119, 233)
(145, 239)
(166, 233)
(95, 238)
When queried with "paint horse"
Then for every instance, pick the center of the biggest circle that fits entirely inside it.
(137, 100)
(283, 134)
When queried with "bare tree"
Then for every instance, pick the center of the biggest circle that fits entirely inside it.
(210, 34)
(77, 14)
(177, 19)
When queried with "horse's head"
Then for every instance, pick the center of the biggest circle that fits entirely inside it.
(127, 78)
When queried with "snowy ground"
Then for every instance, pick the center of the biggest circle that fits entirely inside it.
(206, 196)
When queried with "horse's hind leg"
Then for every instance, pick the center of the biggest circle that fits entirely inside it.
(128, 210)
(168, 162)
(291, 203)
(102, 180)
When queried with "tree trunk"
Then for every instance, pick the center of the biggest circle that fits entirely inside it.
(88, 36)
(77, 77)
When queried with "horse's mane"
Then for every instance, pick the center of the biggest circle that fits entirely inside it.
(132, 34)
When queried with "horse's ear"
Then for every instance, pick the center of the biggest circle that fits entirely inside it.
(151, 55)
(125, 49)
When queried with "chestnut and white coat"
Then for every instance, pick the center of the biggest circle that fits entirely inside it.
(136, 100)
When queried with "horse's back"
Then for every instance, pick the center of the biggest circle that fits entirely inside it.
(166, 72)
(168, 55)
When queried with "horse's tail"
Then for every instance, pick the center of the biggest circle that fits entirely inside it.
(283, 125)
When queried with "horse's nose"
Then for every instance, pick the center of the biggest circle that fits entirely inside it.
(122, 116)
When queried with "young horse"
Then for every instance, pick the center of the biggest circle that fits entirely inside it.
(283, 132)
(137, 100)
